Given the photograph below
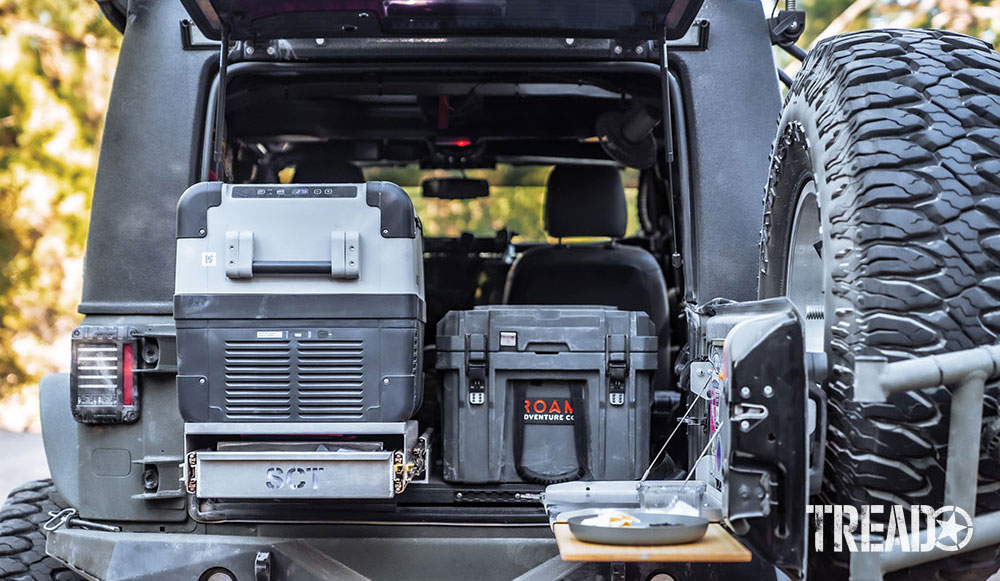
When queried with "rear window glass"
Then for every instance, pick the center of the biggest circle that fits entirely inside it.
(517, 196)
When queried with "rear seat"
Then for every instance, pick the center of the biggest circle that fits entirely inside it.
(589, 201)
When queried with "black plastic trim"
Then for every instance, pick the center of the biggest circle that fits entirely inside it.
(398, 218)
(113, 14)
(192, 209)
(253, 306)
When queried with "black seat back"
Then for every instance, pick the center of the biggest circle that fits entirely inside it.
(590, 201)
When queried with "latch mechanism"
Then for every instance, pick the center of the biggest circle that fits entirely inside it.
(618, 368)
(190, 474)
(788, 25)
(407, 467)
(476, 367)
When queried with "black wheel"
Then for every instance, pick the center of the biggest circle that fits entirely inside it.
(882, 225)
(22, 542)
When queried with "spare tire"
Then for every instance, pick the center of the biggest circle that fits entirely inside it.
(22, 541)
(882, 224)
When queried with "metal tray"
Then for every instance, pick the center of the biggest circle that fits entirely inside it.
(653, 529)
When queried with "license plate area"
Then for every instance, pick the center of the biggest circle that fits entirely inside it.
(294, 475)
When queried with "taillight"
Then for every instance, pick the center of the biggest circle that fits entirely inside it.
(103, 384)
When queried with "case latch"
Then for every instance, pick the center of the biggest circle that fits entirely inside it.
(475, 367)
(618, 357)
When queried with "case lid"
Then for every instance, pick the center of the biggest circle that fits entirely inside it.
(546, 329)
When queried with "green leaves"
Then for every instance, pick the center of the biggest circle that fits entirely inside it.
(57, 59)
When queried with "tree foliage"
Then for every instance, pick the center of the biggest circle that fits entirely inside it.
(56, 62)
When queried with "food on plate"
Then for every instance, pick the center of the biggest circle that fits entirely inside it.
(611, 519)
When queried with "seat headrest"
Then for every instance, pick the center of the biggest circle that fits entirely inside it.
(320, 170)
(585, 200)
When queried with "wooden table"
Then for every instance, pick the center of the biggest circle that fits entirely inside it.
(717, 546)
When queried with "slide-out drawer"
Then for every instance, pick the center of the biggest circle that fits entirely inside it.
(294, 475)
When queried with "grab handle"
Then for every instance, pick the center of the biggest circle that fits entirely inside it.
(291, 267)
(344, 263)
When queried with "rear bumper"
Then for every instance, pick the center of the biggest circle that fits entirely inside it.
(360, 553)
(357, 553)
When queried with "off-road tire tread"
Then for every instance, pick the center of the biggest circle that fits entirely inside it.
(909, 135)
(22, 541)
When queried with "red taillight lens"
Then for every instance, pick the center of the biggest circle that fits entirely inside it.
(103, 387)
(128, 365)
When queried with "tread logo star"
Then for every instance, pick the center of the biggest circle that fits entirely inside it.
(956, 528)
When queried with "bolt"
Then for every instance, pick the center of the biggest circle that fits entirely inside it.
(321, 41)
(202, 381)
(744, 491)
(150, 479)
(794, 25)
(458, 496)
(385, 232)
(249, 50)
(640, 50)
(744, 425)
(701, 373)
(768, 391)
(618, 49)
(271, 51)
(744, 392)
(201, 231)
(570, 41)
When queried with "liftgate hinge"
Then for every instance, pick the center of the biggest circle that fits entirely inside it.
(618, 357)
(476, 367)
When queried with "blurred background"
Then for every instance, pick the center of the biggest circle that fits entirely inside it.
(57, 60)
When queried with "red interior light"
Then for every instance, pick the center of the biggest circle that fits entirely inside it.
(463, 142)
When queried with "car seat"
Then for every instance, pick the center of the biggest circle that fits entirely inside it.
(589, 201)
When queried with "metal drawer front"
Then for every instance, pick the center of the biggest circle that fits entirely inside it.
(294, 475)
